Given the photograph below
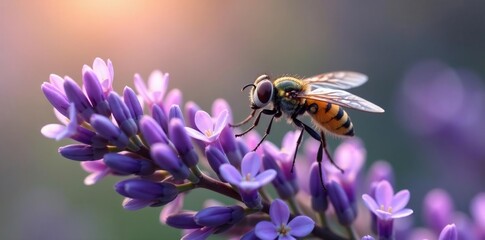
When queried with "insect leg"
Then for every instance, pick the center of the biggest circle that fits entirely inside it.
(251, 115)
(315, 135)
(256, 121)
(268, 129)
(323, 144)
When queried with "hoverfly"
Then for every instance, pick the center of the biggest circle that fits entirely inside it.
(320, 96)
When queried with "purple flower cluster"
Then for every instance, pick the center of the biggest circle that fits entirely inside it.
(163, 152)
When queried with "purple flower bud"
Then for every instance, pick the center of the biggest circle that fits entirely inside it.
(229, 144)
(175, 112)
(318, 194)
(165, 157)
(122, 115)
(133, 104)
(340, 202)
(282, 186)
(82, 152)
(125, 164)
(95, 93)
(57, 99)
(159, 115)
(183, 220)
(136, 204)
(147, 190)
(367, 237)
(76, 95)
(380, 170)
(152, 132)
(84, 135)
(218, 216)
(242, 147)
(191, 109)
(449, 232)
(182, 142)
(438, 209)
(250, 236)
(107, 129)
(216, 158)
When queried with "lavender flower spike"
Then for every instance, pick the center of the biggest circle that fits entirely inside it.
(279, 227)
(248, 181)
(208, 128)
(449, 233)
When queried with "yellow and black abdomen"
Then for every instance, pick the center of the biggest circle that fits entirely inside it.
(331, 117)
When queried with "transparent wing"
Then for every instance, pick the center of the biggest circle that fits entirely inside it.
(337, 80)
(342, 98)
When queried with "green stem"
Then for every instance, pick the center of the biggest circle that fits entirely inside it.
(294, 206)
(351, 232)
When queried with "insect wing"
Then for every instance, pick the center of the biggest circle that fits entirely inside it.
(342, 98)
(337, 80)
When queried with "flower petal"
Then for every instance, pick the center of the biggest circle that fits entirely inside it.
(402, 213)
(230, 174)
(141, 88)
(265, 230)
(301, 226)
(251, 163)
(173, 207)
(95, 177)
(370, 202)
(135, 204)
(265, 177)
(384, 193)
(52, 130)
(203, 121)
(286, 237)
(279, 212)
(221, 122)
(400, 200)
(196, 134)
(199, 234)
(384, 215)
(158, 83)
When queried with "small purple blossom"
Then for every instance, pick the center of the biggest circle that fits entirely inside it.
(157, 86)
(249, 178)
(279, 227)
(208, 128)
(104, 73)
(97, 169)
(386, 204)
(58, 131)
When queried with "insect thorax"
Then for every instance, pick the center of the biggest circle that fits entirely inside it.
(286, 97)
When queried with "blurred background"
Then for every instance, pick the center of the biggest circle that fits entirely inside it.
(425, 61)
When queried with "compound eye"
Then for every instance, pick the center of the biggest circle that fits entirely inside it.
(263, 93)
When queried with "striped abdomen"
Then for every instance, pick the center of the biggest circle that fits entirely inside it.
(331, 117)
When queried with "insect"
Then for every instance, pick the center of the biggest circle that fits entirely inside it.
(321, 97)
